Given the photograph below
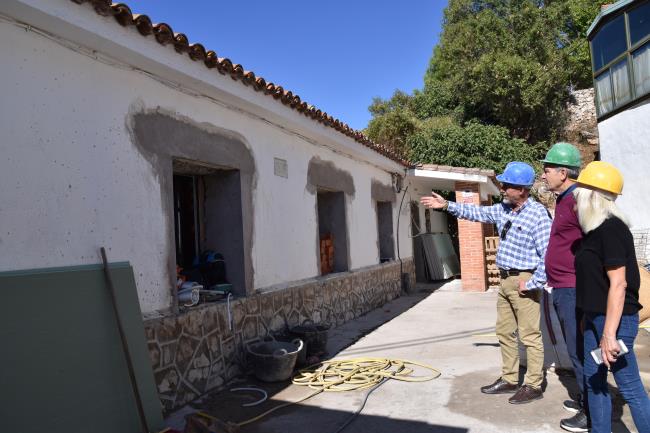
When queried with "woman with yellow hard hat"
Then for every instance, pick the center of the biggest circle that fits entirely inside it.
(607, 290)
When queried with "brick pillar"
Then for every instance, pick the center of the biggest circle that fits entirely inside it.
(471, 242)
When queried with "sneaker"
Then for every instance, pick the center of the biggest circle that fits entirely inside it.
(577, 423)
(572, 406)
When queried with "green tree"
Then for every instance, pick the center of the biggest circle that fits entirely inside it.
(501, 60)
(474, 145)
(502, 69)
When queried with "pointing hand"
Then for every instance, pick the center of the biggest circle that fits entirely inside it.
(434, 202)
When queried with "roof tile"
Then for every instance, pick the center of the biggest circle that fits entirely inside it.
(164, 35)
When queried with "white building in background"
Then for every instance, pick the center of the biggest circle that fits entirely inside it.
(128, 137)
(620, 47)
(117, 132)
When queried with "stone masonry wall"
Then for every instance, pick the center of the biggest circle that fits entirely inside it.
(196, 351)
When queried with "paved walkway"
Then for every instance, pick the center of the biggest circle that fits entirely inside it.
(436, 328)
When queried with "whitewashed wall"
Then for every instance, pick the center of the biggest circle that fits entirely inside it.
(625, 142)
(71, 179)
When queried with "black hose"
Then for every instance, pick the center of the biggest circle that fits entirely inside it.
(401, 265)
(363, 404)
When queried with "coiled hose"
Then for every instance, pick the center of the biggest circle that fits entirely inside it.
(339, 375)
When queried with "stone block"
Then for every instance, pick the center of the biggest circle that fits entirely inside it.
(168, 330)
(266, 307)
(224, 324)
(249, 328)
(199, 368)
(192, 322)
(238, 314)
(185, 352)
(252, 305)
(150, 331)
(287, 302)
(211, 320)
(154, 355)
(168, 354)
(214, 345)
(167, 381)
(277, 323)
(228, 347)
(294, 318)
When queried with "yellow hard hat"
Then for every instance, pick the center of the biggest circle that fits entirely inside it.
(602, 175)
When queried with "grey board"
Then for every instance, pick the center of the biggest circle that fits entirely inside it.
(441, 258)
(62, 367)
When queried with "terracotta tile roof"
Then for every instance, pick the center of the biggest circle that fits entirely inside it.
(461, 170)
(164, 35)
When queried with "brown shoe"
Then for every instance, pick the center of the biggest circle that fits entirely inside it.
(526, 394)
(499, 387)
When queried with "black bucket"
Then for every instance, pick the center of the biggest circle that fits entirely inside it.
(314, 336)
(274, 361)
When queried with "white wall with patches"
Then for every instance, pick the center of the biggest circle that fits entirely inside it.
(71, 179)
(625, 142)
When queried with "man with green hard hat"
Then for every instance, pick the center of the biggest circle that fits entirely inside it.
(561, 168)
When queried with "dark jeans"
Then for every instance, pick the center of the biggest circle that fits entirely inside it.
(564, 301)
(626, 374)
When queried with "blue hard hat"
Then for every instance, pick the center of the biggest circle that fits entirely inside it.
(518, 173)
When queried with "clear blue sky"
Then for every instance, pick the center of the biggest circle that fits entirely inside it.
(336, 54)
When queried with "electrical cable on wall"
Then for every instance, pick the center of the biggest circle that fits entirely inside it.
(401, 265)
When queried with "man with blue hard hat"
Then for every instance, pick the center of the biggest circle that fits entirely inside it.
(524, 226)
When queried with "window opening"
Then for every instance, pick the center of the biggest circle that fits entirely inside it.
(609, 43)
(639, 23)
(641, 65)
(621, 59)
(208, 228)
(186, 223)
(332, 231)
(621, 83)
(385, 231)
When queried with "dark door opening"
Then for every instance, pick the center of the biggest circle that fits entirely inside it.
(186, 227)
(332, 231)
(385, 231)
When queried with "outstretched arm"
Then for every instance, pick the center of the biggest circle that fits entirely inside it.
(484, 214)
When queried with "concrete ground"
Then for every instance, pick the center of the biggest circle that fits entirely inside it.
(440, 326)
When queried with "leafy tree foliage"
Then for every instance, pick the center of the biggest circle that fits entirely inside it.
(474, 145)
(502, 69)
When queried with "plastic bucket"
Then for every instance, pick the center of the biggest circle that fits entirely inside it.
(274, 361)
(314, 336)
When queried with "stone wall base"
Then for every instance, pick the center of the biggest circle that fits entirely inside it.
(197, 351)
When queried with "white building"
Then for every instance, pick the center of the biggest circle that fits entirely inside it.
(120, 133)
(620, 46)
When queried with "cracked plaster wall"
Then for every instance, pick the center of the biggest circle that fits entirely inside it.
(74, 178)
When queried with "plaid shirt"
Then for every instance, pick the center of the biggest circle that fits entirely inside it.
(524, 246)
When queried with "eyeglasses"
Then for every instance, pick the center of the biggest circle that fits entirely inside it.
(504, 230)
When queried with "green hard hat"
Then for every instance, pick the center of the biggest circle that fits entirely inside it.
(563, 154)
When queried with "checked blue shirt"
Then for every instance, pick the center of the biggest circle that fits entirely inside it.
(524, 246)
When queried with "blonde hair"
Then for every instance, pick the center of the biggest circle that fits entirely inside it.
(595, 206)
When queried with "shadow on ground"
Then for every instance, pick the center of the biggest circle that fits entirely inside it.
(319, 420)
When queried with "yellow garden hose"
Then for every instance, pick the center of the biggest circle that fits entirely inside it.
(338, 375)
(359, 373)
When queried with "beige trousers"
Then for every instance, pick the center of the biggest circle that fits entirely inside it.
(520, 314)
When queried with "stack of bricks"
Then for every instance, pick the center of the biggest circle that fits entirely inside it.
(326, 254)
(491, 245)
